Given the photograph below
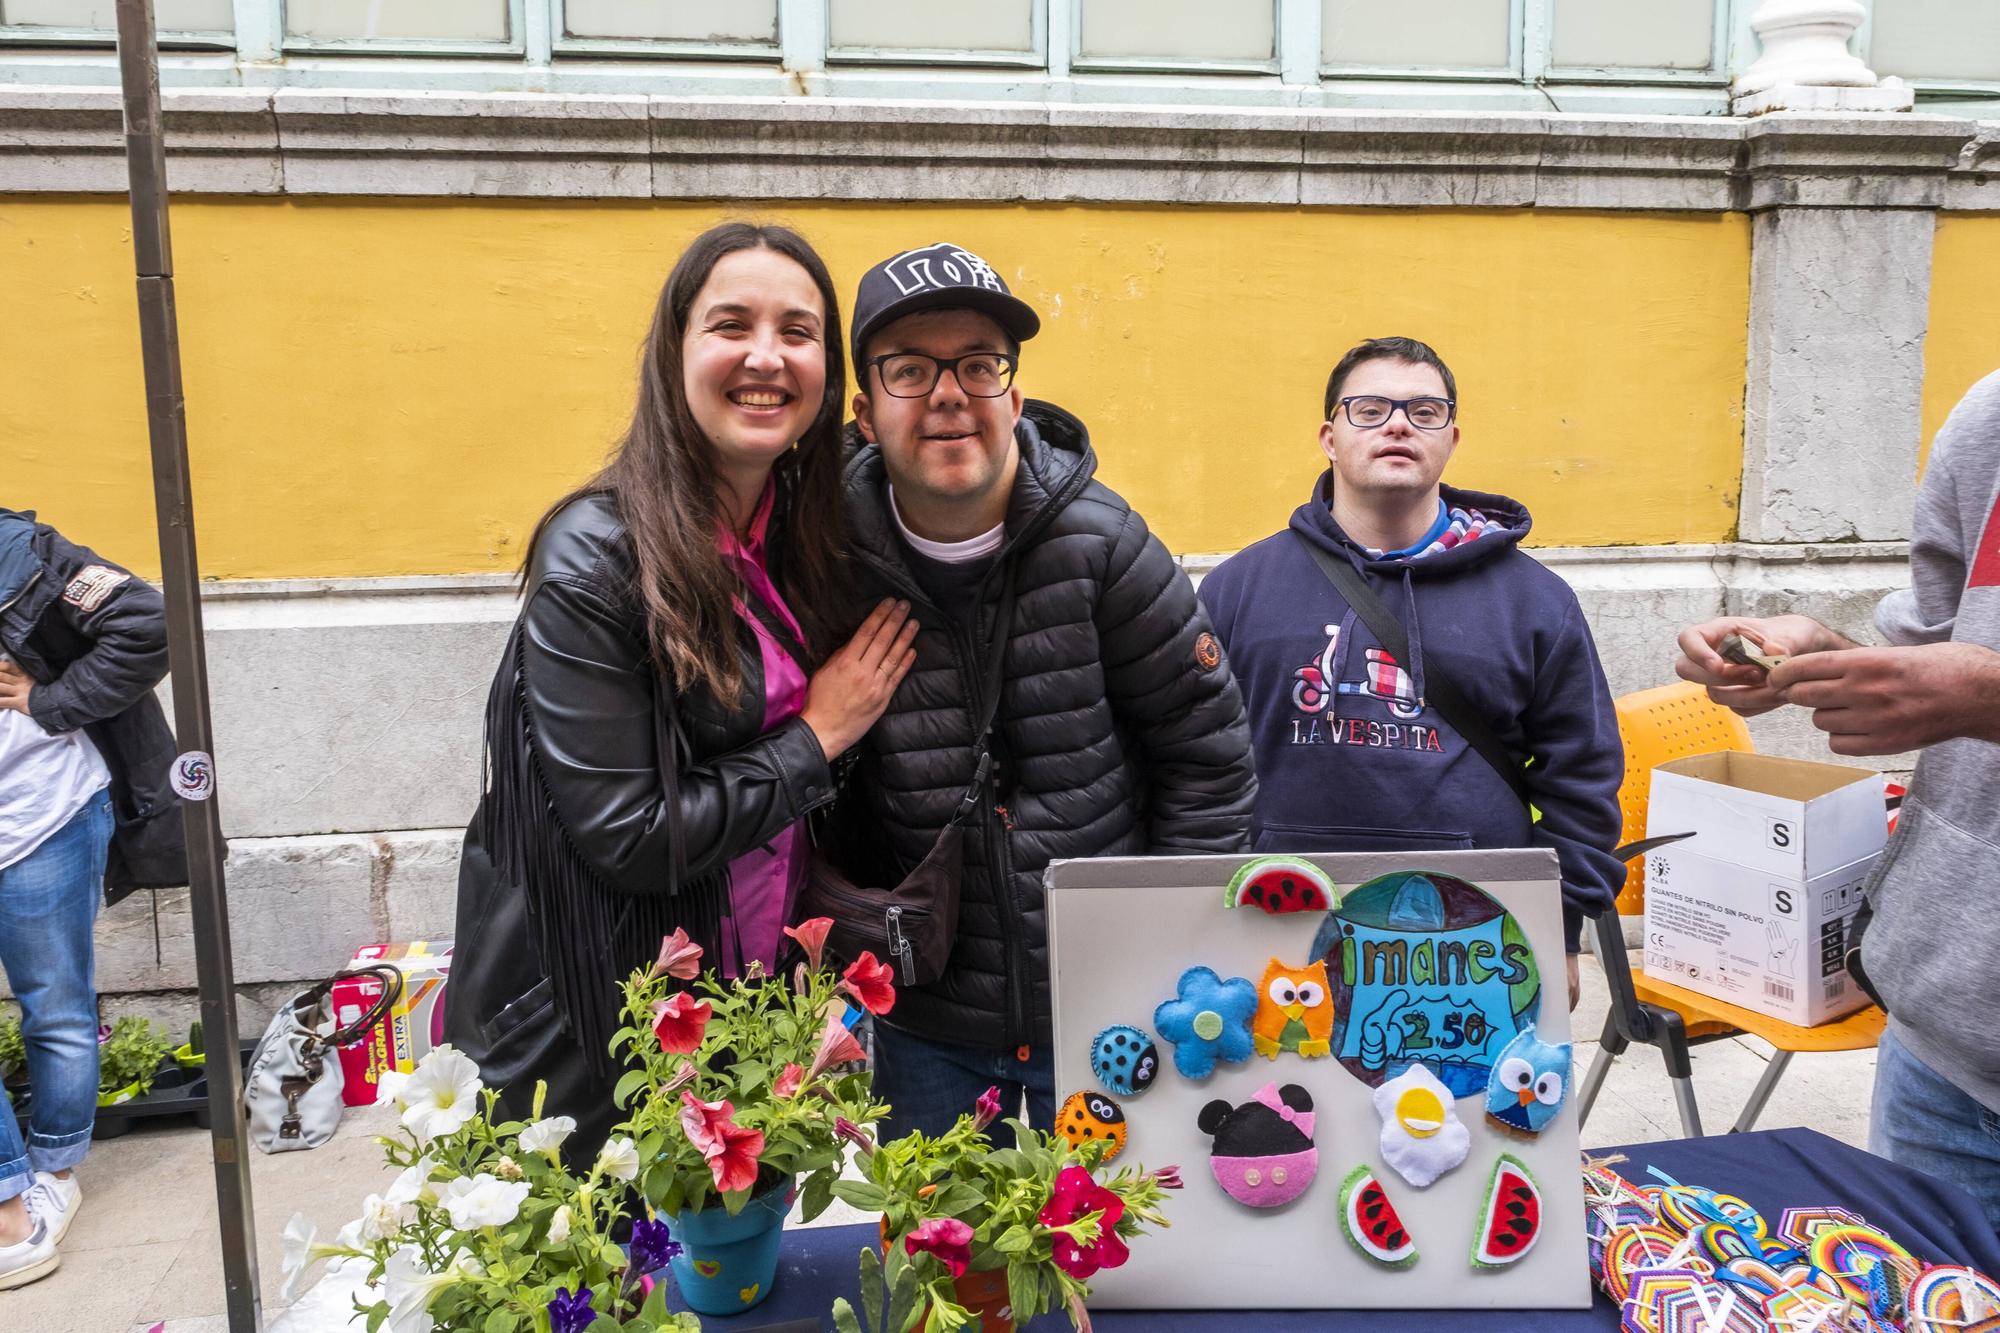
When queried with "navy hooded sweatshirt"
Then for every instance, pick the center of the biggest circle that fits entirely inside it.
(1349, 759)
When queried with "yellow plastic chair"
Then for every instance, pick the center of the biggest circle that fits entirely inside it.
(1657, 725)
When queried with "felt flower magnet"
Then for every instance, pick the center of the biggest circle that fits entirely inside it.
(1124, 1060)
(1530, 1079)
(1263, 1155)
(1209, 1021)
(1422, 1136)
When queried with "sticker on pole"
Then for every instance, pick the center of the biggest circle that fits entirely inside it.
(193, 777)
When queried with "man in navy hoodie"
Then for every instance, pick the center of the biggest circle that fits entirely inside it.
(1352, 754)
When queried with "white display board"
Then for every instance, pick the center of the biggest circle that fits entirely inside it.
(1123, 930)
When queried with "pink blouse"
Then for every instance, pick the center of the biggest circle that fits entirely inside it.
(764, 882)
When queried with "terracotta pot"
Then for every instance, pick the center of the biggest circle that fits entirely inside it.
(983, 1292)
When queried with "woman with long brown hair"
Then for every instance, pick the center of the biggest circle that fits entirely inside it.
(671, 696)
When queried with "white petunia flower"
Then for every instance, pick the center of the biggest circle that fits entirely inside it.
(305, 1252)
(559, 1227)
(483, 1201)
(389, 1086)
(547, 1135)
(414, 1184)
(409, 1287)
(441, 1096)
(619, 1159)
(383, 1219)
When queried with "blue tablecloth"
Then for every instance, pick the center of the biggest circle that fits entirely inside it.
(1773, 1169)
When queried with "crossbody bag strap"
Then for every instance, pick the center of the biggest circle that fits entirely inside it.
(989, 702)
(1443, 694)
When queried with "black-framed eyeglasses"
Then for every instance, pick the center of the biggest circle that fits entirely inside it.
(1368, 411)
(914, 375)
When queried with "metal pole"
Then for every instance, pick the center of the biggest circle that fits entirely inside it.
(173, 499)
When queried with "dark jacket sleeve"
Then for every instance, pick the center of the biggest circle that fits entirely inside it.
(1187, 716)
(589, 694)
(125, 626)
(1572, 731)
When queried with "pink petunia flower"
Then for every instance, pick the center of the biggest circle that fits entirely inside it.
(946, 1237)
(811, 936)
(788, 1081)
(1074, 1197)
(679, 1021)
(871, 983)
(734, 1166)
(837, 1046)
(680, 957)
(704, 1123)
(987, 1109)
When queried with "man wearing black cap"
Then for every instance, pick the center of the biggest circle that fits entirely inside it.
(1118, 729)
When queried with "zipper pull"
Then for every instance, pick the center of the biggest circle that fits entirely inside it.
(1006, 817)
(1023, 1054)
(899, 945)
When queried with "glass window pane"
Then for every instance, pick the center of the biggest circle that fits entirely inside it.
(96, 15)
(446, 20)
(674, 20)
(1659, 34)
(1178, 29)
(1454, 34)
(932, 25)
(1937, 39)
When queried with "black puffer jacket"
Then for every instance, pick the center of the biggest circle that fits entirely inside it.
(94, 640)
(613, 806)
(1120, 729)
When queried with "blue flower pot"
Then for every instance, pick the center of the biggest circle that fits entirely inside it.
(727, 1264)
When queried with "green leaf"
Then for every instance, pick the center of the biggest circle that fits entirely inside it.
(869, 1198)
(816, 1195)
(905, 1307)
(1024, 1290)
(501, 1321)
(871, 1288)
(1017, 1239)
(843, 1316)
(633, 1080)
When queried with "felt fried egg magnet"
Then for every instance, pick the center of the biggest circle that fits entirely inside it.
(1530, 1080)
(1422, 1136)
(1263, 1155)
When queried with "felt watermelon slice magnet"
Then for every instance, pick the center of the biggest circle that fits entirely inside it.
(1282, 885)
(1370, 1221)
(1511, 1221)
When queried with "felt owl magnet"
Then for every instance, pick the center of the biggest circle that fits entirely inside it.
(1124, 1060)
(1263, 1156)
(1294, 1011)
(1530, 1080)
(1422, 1136)
(1091, 1116)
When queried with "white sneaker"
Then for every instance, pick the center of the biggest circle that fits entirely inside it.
(55, 1201)
(29, 1260)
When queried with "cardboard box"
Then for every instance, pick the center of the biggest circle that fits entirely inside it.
(1755, 908)
(414, 1025)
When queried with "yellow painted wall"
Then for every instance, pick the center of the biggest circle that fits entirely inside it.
(1963, 345)
(400, 388)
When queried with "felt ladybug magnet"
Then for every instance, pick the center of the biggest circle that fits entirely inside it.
(1091, 1116)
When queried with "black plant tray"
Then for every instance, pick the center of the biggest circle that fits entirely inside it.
(175, 1092)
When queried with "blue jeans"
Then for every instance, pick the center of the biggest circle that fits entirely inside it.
(930, 1084)
(48, 905)
(1920, 1119)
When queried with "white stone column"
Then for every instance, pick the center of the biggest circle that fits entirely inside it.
(1840, 276)
(1806, 66)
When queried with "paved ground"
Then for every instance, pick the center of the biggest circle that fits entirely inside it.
(144, 1251)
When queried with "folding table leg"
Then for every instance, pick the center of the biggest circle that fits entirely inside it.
(1610, 1045)
(1762, 1092)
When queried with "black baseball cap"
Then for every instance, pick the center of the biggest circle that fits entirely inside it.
(935, 277)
